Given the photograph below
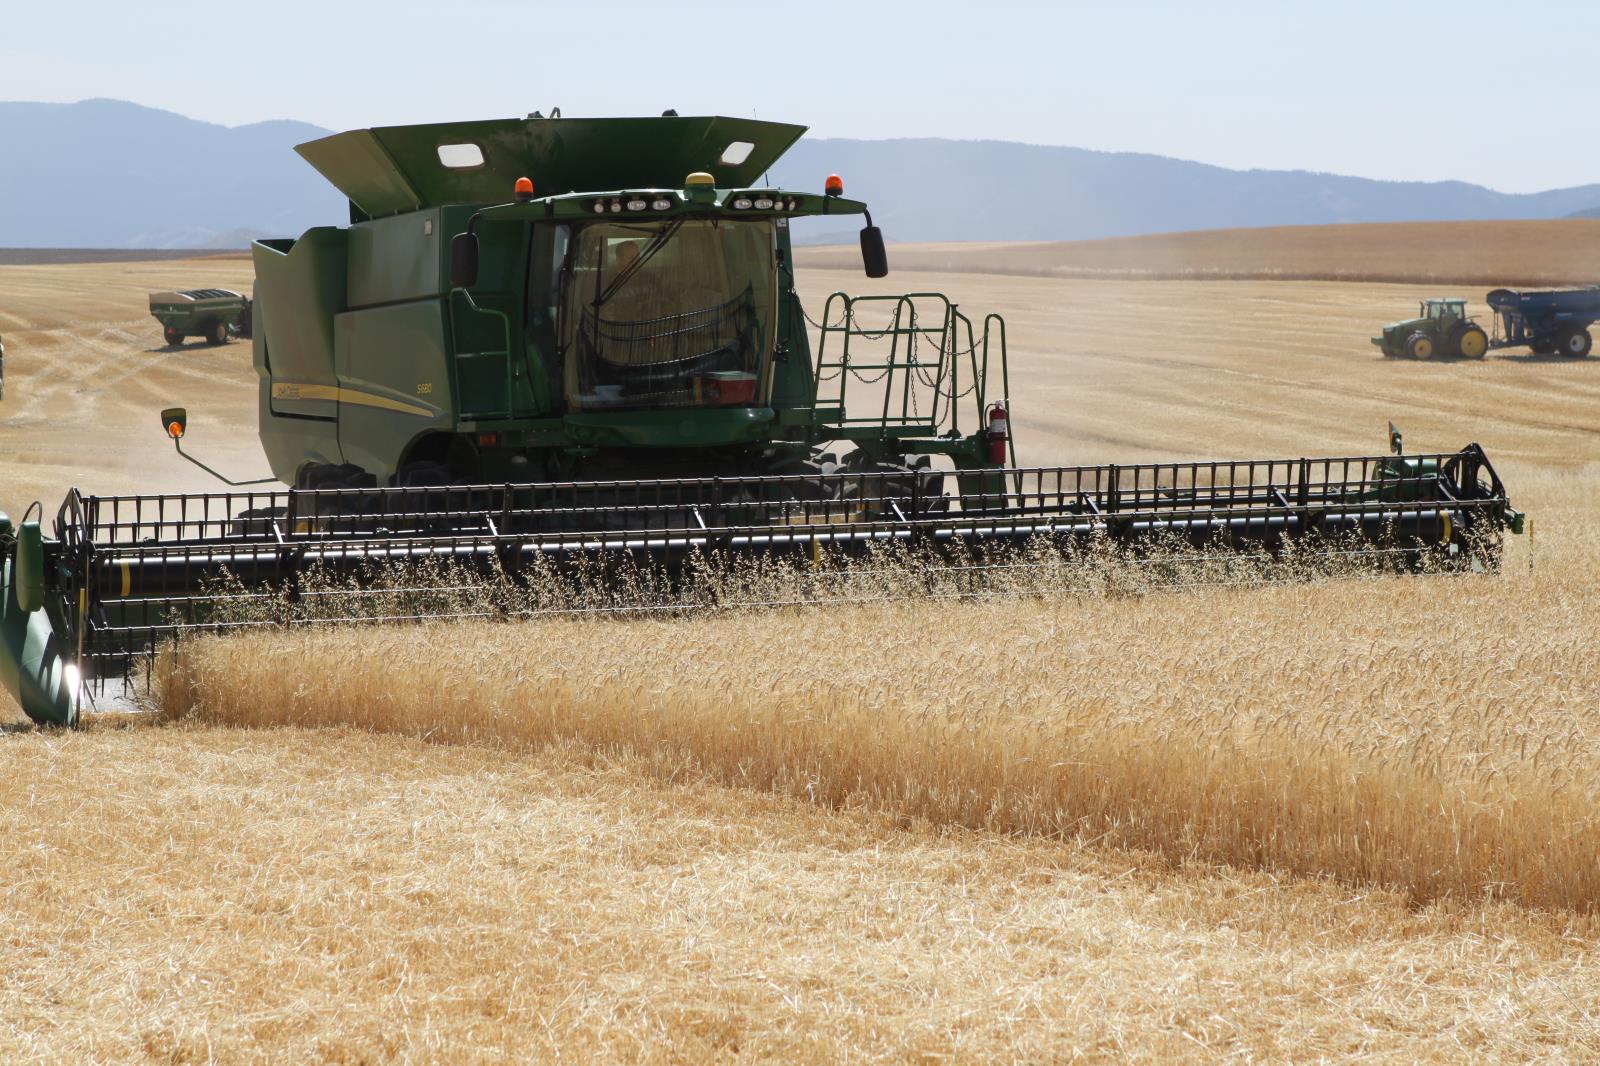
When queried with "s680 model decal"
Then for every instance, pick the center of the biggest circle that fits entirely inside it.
(288, 390)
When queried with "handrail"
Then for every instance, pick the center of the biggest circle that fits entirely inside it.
(909, 377)
(505, 353)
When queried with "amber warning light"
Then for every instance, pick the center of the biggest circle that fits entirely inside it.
(524, 189)
(174, 420)
(834, 186)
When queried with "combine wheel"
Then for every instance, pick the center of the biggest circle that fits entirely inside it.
(817, 465)
(256, 522)
(335, 476)
(1473, 343)
(173, 338)
(912, 478)
(426, 472)
(217, 333)
(1542, 346)
(1575, 341)
(1419, 346)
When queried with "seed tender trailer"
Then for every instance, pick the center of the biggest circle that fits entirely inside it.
(1551, 322)
(214, 314)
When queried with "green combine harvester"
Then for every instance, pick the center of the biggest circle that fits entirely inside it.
(552, 342)
(1441, 328)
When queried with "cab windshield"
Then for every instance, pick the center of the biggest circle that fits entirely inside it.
(673, 313)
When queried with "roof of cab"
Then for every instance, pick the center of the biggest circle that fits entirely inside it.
(388, 170)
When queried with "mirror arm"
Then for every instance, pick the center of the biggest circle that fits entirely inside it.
(178, 444)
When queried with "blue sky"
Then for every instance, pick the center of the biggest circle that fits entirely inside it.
(1492, 93)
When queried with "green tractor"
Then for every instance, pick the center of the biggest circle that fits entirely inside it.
(1441, 328)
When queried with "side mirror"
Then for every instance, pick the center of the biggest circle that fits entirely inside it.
(873, 257)
(174, 421)
(464, 260)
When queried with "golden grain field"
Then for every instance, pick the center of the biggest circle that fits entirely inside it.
(1337, 820)
(1481, 255)
(1444, 782)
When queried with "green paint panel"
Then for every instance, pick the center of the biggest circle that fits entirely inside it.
(393, 359)
(390, 169)
(300, 287)
(396, 259)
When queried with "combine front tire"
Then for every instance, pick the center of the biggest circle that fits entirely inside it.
(1575, 341)
(1419, 346)
(173, 338)
(334, 476)
(1473, 343)
(217, 333)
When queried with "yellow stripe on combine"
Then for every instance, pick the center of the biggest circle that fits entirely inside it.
(288, 390)
(127, 581)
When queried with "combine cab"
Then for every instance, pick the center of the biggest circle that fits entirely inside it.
(551, 346)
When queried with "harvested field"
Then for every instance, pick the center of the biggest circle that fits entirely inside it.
(842, 834)
(1478, 254)
(75, 256)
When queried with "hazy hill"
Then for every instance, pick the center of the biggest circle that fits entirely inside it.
(108, 174)
(937, 190)
(104, 173)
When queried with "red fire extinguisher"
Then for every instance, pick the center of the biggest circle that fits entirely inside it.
(999, 434)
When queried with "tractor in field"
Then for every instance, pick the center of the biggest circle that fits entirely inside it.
(577, 345)
(1441, 328)
(214, 314)
(1550, 322)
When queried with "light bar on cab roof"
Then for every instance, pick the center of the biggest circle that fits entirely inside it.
(649, 200)
(761, 200)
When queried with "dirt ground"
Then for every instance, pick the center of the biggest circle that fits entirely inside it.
(193, 894)
(1102, 371)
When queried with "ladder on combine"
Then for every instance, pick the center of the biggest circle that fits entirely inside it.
(910, 362)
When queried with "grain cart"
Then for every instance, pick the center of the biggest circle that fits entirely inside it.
(562, 345)
(1550, 322)
(214, 314)
(1441, 328)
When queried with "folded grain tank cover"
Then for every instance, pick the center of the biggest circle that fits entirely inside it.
(388, 170)
(301, 286)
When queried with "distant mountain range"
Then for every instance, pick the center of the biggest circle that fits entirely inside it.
(111, 174)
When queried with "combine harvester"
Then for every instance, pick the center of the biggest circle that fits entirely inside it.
(572, 345)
